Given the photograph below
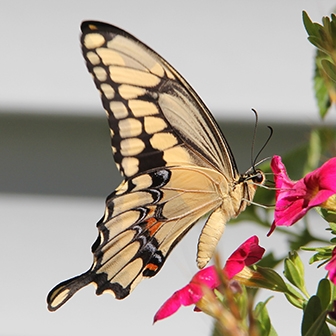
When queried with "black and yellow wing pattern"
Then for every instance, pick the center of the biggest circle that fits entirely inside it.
(176, 163)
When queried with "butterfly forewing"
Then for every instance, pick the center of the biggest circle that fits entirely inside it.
(156, 118)
(177, 166)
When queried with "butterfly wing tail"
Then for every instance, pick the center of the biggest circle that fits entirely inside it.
(61, 293)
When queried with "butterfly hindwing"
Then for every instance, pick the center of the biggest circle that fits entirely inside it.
(144, 219)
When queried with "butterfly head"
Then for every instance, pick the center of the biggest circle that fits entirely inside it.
(258, 177)
(253, 176)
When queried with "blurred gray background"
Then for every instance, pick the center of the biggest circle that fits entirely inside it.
(56, 165)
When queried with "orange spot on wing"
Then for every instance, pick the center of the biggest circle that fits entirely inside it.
(152, 225)
(152, 267)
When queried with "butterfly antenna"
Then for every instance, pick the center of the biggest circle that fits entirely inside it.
(263, 147)
(254, 159)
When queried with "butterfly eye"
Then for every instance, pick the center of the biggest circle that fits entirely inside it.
(258, 177)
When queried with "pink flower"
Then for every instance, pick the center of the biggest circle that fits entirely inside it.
(247, 254)
(331, 267)
(295, 198)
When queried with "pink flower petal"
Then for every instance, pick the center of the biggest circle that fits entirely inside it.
(247, 253)
(185, 296)
(295, 198)
(207, 277)
(325, 179)
(331, 267)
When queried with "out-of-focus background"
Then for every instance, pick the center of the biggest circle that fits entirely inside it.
(56, 167)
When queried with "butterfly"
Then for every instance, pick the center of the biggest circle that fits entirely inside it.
(176, 163)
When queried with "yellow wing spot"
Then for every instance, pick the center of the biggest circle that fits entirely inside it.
(93, 58)
(126, 46)
(93, 41)
(136, 281)
(131, 201)
(130, 271)
(121, 188)
(129, 128)
(110, 57)
(114, 150)
(111, 262)
(108, 90)
(130, 165)
(118, 109)
(100, 73)
(131, 146)
(169, 74)
(111, 133)
(121, 222)
(105, 291)
(130, 92)
(59, 297)
(162, 141)
(133, 77)
(116, 243)
(137, 52)
(157, 70)
(141, 108)
(92, 27)
(153, 125)
(142, 182)
(177, 155)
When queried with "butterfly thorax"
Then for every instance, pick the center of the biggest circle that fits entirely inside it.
(248, 184)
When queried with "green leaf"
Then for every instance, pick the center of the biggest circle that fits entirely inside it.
(323, 253)
(333, 28)
(313, 322)
(268, 278)
(294, 271)
(329, 216)
(333, 292)
(324, 293)
(264, 321)
(321, 94)
(332, 223)
(326, 25)
(309, 25)
(297, 262)
(323, 37)
(318, 43)
(317, 257)
(295, 298)
(323, 85)
(329, 68)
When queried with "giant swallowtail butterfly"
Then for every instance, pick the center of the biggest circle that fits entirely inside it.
(176, 163)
